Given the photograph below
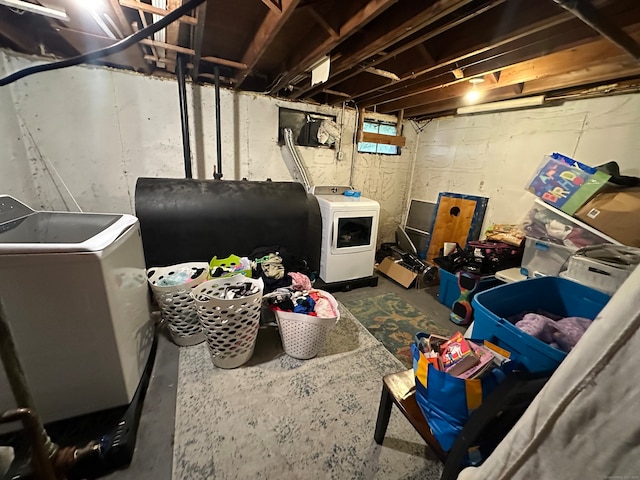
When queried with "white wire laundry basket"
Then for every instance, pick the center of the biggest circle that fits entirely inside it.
(303, 336)
(230, 325)
(176, 304)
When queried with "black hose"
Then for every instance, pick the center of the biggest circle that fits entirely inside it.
(104, 52)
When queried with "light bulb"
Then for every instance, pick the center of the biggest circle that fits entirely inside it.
(472, 96)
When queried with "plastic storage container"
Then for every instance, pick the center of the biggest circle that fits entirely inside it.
(303, 336)
(175, 302)
(552, 294)
(230, 325)
(449, 290)
(543, 258)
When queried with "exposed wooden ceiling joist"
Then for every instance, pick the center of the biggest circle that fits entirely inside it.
(372, 45)
(145, 7)
(545, 75)
(586, 12)
(269, 28)
(197, 35)
(172, 32)
(411, 83)
(138, 52)
(385, 54)
(17, 36)
(366, 14)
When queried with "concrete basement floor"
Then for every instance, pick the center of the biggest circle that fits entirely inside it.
(153, 455)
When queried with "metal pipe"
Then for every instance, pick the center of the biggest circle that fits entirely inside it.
(184, 114)
(43, 448)
(41, 463)
(585, 11)
(218, 173)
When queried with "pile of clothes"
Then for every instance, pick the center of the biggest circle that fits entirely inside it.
(307, 302)
(558, 332)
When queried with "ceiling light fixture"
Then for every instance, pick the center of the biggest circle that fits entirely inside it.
(38, 9)
(504, 105)
(473, 95)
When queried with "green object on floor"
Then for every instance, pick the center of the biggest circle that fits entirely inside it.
(394, 322)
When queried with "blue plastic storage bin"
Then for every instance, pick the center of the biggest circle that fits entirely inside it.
(449, 291)
(552, 294)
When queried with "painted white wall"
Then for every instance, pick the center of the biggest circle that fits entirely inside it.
(101, 129)
(496, 154)
(15, 174)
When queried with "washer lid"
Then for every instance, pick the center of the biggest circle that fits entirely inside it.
(24, 230)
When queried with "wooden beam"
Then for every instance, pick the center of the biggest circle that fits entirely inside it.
(19, 37)
(336, 93)
(598, 74)
(266, 33)
(382, 73)
(273, 5)
(137, 53)
(172, 33)
(590, 15)
(225, 62)
(360, 123)
(397, 140)
(322, 22)
(145, 7)
(85, 42)
(362, 17)
(167, 46)
(426, 54)
(459, 58)
(519, 77)
(197, 34)
(399, 122)
(406, 21)
(486, 43)
(106, 41)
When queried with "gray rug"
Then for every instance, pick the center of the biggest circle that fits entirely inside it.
(282, 418)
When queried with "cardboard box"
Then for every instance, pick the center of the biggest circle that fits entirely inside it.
(614, 213)
(565, 183)
(397, 272)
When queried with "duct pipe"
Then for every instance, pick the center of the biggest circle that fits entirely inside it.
(218, 173)
(184, 113)
(585, 11)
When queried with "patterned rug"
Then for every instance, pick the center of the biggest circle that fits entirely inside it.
(278, 417)
(394, 322)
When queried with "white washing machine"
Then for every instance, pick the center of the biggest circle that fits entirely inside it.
(349, 235)
(75, 294)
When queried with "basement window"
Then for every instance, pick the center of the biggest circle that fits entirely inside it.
(382, 128)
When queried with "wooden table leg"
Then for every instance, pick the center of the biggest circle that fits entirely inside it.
(384, 414)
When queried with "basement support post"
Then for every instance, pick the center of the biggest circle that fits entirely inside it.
(181, 73)
(218, 173)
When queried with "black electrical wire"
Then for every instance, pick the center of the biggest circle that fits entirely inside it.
(104, 52)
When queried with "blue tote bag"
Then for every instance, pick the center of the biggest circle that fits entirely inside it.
(447, 401)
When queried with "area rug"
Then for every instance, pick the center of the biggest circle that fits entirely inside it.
(394, 322)
(282, 418)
